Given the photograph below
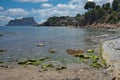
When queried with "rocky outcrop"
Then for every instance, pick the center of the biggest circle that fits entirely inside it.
(111, 53)
(29, 21)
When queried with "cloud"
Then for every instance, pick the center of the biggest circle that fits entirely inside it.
(46, 5)
(66, 6)
(100, 2)
(33, 1)
(5, 19)
(15, 12)
(1, 8)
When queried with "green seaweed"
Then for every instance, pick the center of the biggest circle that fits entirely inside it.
(96, 65)
(1, 62)
(103, 61)
(90, 51)
(49, 65)
(30, 62)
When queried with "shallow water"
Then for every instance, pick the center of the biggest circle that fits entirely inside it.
(21, 42)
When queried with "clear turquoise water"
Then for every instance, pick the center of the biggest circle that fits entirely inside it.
(21, 42)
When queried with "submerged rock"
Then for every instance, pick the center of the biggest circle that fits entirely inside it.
(34, 62)
(74, 52)
(1, 34)
(52, 51)
(41, 44)
(30, 62)
(90, 51)
(1, 62)
(53, 64)
(3, 50)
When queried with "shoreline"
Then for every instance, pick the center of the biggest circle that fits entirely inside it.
(72, 72)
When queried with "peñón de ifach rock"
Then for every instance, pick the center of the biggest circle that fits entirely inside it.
(29, 21)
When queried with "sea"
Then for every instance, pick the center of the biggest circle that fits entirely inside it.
(21, 42)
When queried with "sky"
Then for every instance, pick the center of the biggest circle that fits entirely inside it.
(41, 10)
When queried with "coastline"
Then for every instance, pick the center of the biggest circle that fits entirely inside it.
(104, 25)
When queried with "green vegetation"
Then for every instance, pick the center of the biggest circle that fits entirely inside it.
(89, 58)
(1, 62)
(106, 13)
(34, 62)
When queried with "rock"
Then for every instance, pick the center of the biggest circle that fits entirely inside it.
(52, 51)
(1, 62)
(1, 34)
(39, 45)
(83, 56)
(29, 21)
(113, 78)
(74, 52)
(76, 79)
(3, 50)
(90, 51)
(53, 64)
(30, 62)
(61, 68)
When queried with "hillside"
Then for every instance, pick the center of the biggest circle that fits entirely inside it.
(107, 14)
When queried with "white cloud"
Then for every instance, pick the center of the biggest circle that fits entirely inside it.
(1, 8)
(90, 0)
(33, 1)
(66, 6)
(5, 19)
(100, 2)
(46, 5)
(15, 12)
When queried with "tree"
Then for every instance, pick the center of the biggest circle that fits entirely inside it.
(89, 5)
(97, 6)
(106, 6)
(115, 5)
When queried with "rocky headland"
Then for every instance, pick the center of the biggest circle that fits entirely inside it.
(29, 21)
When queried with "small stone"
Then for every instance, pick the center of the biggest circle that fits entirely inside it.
(40, 45)
(114, 78)
(76, 79)
(3, 50)
(1, 34)
(90, 51)
(52, 51)
(1, 62)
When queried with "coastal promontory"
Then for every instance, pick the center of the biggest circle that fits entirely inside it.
(29, 21)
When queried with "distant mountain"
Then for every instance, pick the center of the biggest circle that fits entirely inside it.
(29, 21)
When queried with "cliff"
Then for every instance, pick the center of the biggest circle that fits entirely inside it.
(29, 21)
